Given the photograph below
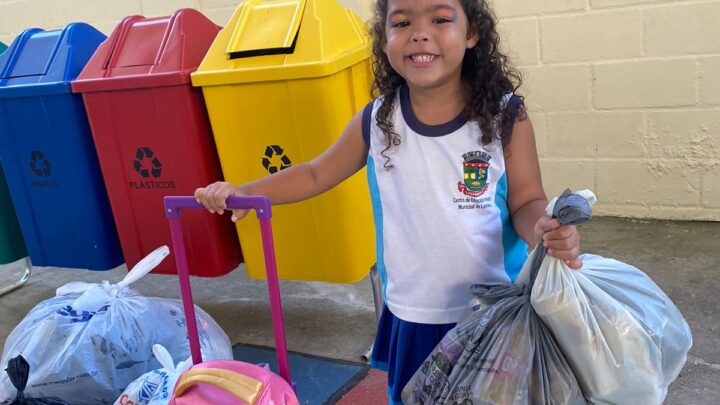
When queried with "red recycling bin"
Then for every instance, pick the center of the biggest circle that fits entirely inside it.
(153, 137)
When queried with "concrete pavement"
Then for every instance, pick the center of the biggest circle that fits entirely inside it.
(337, 321)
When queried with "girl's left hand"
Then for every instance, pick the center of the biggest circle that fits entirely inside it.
(561, 241)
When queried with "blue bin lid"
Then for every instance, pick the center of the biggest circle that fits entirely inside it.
(40, 62)
(3, 47)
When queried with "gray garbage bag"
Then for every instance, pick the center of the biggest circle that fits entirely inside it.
(502, 353)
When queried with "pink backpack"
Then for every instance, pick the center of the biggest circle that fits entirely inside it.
(229, 382)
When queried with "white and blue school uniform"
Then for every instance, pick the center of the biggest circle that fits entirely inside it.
(442, 224)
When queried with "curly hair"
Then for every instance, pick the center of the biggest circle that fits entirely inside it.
(486, 72)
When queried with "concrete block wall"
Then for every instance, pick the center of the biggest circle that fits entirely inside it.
(624, 94)
(625, 98)
(17, 15)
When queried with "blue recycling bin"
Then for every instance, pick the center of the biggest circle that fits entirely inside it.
(47, 151)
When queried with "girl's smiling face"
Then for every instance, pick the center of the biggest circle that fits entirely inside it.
(426, 41)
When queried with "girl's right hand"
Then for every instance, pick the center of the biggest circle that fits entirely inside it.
(213, 197)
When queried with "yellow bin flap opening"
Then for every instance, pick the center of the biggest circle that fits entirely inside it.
(266, 27)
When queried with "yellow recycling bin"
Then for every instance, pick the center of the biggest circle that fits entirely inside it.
(281, 81)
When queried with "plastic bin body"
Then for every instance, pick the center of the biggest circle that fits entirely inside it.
(153, 137)
(279, 92)
(12, 246)
(48, 154)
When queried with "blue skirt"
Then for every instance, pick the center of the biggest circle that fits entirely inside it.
(401, 347)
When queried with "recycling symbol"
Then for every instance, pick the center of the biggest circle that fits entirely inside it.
(144, 155)
(275, 159)
(39, 164)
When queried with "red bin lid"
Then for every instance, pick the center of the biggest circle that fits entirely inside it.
(149, 52)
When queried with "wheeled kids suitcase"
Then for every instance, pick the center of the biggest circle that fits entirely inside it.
(221, 381)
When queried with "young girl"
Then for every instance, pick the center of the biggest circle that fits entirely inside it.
(452, 168)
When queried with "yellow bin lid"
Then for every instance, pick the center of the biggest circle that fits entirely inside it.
(271, 40)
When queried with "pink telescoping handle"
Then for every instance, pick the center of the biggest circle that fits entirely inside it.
(261, 205)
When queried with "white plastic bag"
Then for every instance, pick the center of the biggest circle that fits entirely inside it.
(624, 338)
(90, 341)
(156, 386)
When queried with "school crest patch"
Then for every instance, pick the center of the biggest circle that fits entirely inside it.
(476, 165)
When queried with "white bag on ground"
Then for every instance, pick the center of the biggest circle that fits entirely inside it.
(155, 387)
(90, 341)
(624, 338)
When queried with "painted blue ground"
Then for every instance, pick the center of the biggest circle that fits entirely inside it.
(318, 380)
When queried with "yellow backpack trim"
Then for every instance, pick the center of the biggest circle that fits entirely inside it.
(245, 388)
